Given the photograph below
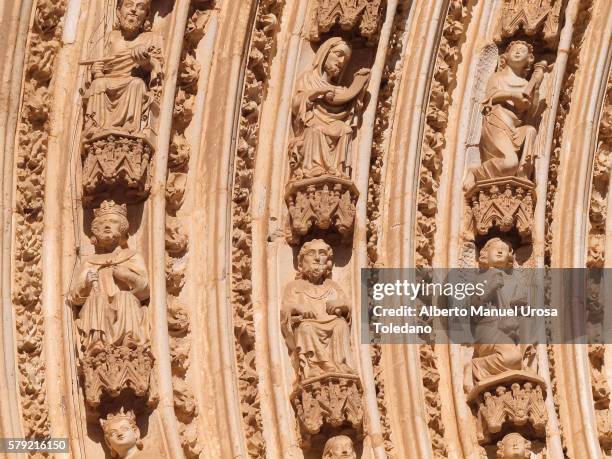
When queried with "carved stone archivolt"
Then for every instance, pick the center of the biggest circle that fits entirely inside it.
(360, 17)
(436, 123)
(121, 100)
(177, 240)
(32, 138)
(257, 73)
(320, 193)
(315, 321)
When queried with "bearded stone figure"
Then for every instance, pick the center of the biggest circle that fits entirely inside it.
(511, 106)
(325, 114)
(495, 348)
(339, 447)
(111, 285)
(315, 316)
(124, 82)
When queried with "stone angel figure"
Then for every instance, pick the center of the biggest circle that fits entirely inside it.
(511, 110)
(123, 92)
(496, 349)
(325, 114)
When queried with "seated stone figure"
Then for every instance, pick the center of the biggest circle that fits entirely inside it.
(315, 316)
(339, 447)
(495, 350)
(325, 114)
(111, 285)
(124, 81)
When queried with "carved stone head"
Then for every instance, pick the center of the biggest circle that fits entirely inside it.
(132, 15)
(513, 446)
(315, 261)
(121, 434)
(518, 56)
(110, 225)
(332, 58)
(339, 447)
(496, 253)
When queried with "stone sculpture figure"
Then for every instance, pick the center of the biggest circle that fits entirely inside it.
(111, 285)
(125, 81)
(513, 446)
(511, 105)
(496, 350)
(315, 316)
(121, 434)
(325, 114)
(339, 447)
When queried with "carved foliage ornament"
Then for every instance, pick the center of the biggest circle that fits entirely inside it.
(257, 72)
(44, 42)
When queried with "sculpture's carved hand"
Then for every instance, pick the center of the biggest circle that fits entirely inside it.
(97, 70)
(92, 276)
(362, 74)
(521, 100)
(336, 308)
(314, 95)
(329, 96)
(141, 55)
(306, 314)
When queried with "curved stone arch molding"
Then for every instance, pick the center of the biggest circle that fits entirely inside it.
(15, 22)
(402, 372)
(462, 436)
(219, 395)
(570, 227)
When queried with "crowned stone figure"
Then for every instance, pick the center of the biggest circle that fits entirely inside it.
(111, 285)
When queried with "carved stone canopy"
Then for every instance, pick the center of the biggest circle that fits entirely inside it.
(106, 374)
(513, 399)
(358, 16)
(502, 204)
(530, 16)
(116, 162)
(323, 203)
(332, 400)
